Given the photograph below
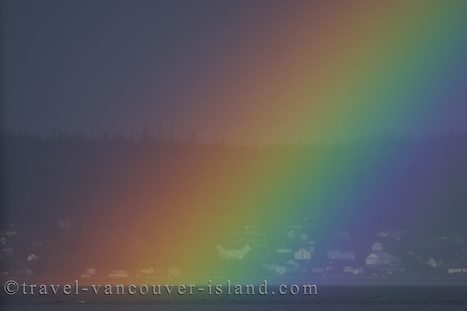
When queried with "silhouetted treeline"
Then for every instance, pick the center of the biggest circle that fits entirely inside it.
(110, 185)
(62, 174)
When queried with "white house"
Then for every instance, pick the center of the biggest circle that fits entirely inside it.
(119, 274)
(174, 272)
(33, 257)
(381, 259)
(284, 250)
(147, 271)
(377, 247)
(302, 254)
(233, 254)
(431, 262)
(457, 270)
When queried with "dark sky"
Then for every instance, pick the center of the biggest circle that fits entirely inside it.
(96, 66)
(228, 68)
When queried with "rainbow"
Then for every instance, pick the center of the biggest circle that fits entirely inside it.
(317, 72)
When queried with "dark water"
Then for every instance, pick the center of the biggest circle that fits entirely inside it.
(378, 298)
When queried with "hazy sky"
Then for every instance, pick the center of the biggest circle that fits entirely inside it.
(106, 65)
(222, 68)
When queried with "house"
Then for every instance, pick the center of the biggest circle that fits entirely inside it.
(147, 271)
(302, 254)
(90, 272)
(457, 270)
(381, 259)
(431, 262)
(10, 233)
(33, 257)
(395, 235)
(295, 267)
(291, 234)
(275, 268)
(353, 270)
(377, 247)
(174, 272)
(233, 254)
(64, 224)
(339, 254)
(119, 274)
(289, 267)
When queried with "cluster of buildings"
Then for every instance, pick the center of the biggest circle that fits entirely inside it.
(397, 254)
(295, 252)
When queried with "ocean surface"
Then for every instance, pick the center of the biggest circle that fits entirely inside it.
(378, 298)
